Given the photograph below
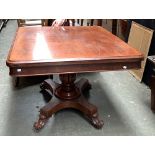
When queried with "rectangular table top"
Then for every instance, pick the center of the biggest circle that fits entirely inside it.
(69, 45)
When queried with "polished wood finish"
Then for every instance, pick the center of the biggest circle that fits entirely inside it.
(44, 50)
(29, 22)
(67, 51)
(68, 95)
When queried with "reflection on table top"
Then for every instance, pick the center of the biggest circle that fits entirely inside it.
(68, 44)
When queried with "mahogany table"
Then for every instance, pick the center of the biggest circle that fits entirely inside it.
(67, 51)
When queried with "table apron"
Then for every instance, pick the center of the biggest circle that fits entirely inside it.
(77, 68)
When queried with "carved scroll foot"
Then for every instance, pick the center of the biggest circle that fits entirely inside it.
(49, 86)
(40, 123)
(84, 85)
(87, 86)
(42, 86)
(95, 121)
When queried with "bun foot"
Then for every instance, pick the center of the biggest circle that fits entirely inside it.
(40, 123)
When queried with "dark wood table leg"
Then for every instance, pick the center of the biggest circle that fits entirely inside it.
(16, 81)
(68, 94)
(99, 22)
(82, 22)
(152, 85)
(114, 26)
